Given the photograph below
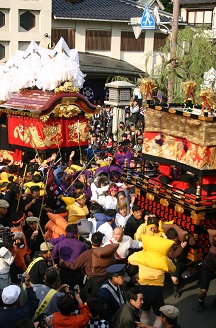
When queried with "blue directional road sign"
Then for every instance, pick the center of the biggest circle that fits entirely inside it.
(147, 21)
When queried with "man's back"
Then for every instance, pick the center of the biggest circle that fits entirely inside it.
(41, 292)
(9, 317)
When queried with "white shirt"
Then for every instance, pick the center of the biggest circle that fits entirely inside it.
(123, 249)
(120, 220)
(6, 259)
(110, 202)
(107, 230)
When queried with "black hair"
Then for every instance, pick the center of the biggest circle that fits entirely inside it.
(170, 321)
(136, 208)
(27, 323)
(171, 233)
(36, 178)
(132, 294)
(51, 276)
(97, 238)
(71, 228)
(153, 220)
(110, 212)
(66, 305)
(95, 306)
(96, 208)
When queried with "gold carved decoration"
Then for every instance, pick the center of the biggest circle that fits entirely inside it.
(89, 115)
(178, 208)
(150, 196)
(66, 110)
(66, 87)
(164, 202)
(77, 131)
(44, 118)
(197, 216)
(137, 191)
(52, 135)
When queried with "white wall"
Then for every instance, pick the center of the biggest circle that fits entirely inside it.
(12, 34)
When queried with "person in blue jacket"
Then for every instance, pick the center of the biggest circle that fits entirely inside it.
(111, 293)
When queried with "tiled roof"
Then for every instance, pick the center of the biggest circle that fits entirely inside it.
(106, 66)
(105, 10)
(192, 2)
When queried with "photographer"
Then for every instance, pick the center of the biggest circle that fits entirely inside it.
(66, 317)
(11, 312)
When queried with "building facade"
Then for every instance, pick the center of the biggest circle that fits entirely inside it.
(198, 12)
(22, 21)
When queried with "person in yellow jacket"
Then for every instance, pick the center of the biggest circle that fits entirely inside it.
(78, 210)
(151, 277)
(151, 227)
(36, 181)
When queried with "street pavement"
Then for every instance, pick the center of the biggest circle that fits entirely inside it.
(189, 317)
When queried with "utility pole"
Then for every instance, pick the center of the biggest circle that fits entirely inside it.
(173, 47)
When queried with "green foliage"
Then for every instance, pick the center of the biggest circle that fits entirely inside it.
(195, 55)
(168, 6)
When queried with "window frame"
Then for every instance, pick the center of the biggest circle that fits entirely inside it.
(135, 45)
(98, 40)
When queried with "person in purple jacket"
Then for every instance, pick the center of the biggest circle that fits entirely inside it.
(68, 250)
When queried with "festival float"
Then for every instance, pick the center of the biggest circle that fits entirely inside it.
(40, 104)
(181, 139)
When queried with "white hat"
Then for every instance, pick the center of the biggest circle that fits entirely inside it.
(10, 294)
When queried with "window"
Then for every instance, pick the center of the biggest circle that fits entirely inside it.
(98, 40)
(130, 43)
(2, 51)
(2, 19)
(27, 20)
(159, 41)
(199, 17)
(68, 35)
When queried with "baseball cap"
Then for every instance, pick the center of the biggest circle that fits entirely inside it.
(169, 311)
(30, 219)
(10, 294)
(4, 203)
(45, 247)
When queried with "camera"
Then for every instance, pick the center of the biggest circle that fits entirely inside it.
(76, 289)
(6, 237)
(21, 277)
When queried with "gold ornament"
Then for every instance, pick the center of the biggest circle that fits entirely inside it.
(178, 208)
(189, 89)
(150, 196)
(66, 110)
(146, 88)
(208, 99)
(66, 87)
(198, 216)
(88, 115)
(164, 202)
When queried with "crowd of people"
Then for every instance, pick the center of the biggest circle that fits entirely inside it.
(94, 274)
